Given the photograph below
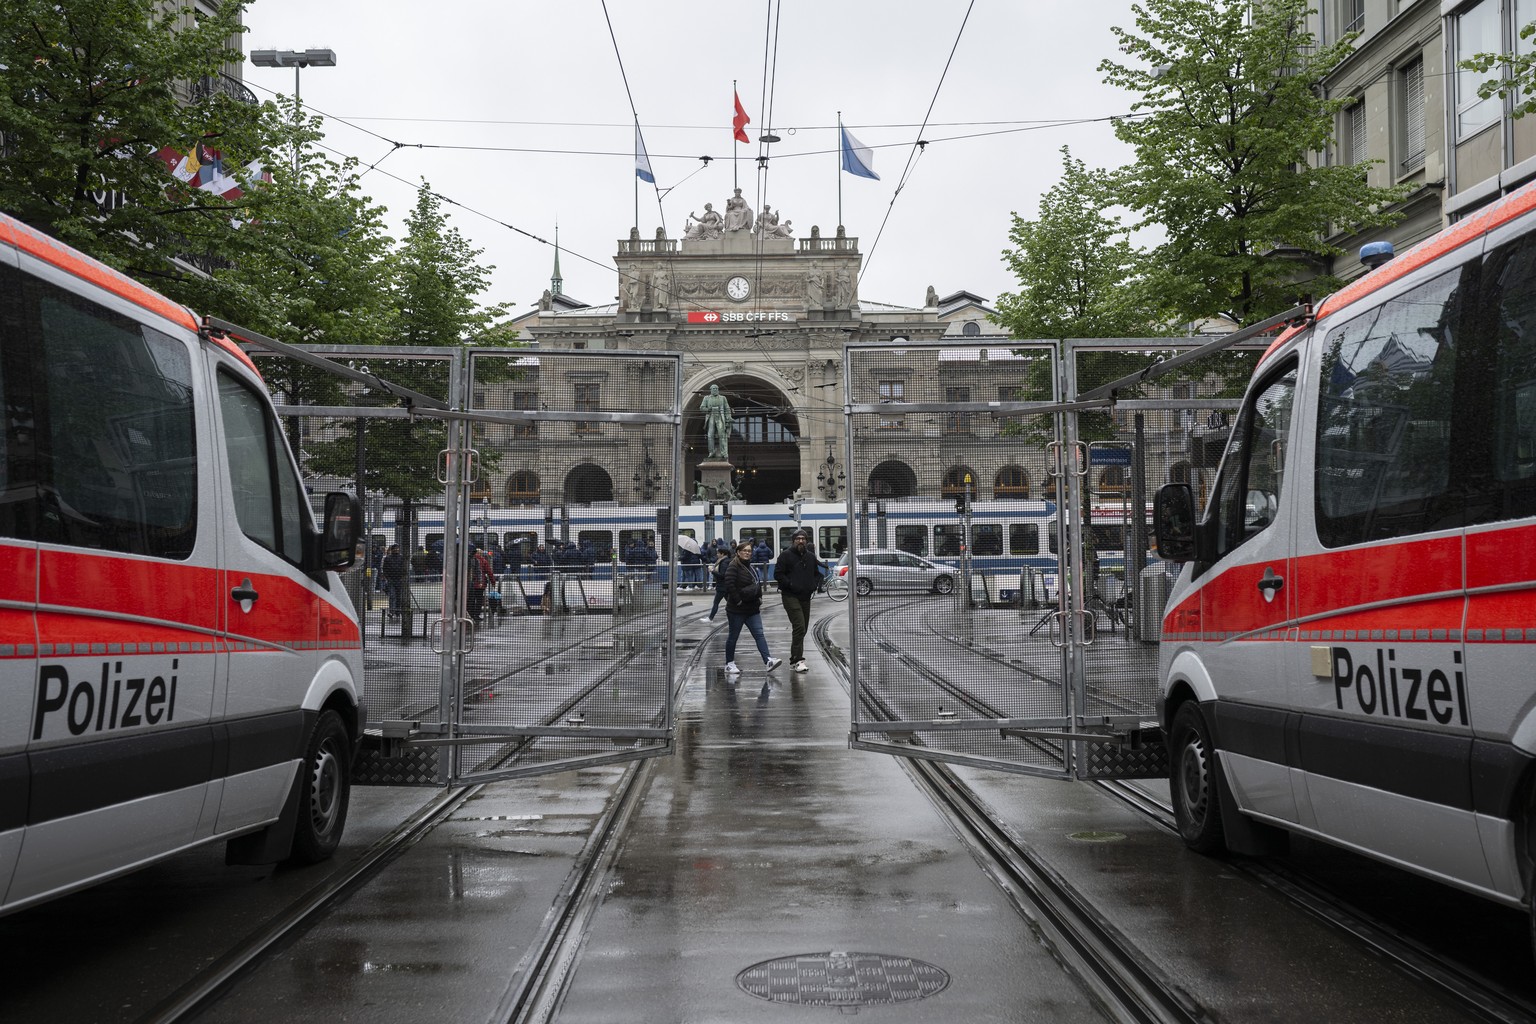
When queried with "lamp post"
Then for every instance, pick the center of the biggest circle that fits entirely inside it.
(298, 60)
(830, 477)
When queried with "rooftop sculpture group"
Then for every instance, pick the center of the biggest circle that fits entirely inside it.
(738, 217)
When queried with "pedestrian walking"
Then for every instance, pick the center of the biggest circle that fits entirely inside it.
(721, 564)
(744, 607)
(394, 580)
(795, 572)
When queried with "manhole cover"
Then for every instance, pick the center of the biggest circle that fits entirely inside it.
(842, 979)
(1097, 837)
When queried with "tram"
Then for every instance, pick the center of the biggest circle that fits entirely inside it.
(1003, 536)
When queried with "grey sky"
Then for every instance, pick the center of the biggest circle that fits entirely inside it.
(544, 76)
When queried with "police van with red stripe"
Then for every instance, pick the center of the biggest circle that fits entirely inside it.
(1350, 649)
(178, 661)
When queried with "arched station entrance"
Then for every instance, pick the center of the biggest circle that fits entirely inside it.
(765, 433)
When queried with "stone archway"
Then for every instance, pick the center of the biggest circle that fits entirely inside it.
(587, 483)
(765, 438)
(892, 479)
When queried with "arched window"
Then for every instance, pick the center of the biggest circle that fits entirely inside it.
(523, 488)
(953, 485)
(970, 329)
(588, 483)
(1011, 482)
(892, 479)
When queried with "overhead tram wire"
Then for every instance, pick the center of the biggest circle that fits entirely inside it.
(831, 409)
(919, 145)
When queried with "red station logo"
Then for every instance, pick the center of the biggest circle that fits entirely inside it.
(705, 316)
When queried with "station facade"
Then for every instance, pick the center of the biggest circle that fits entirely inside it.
(765, 317)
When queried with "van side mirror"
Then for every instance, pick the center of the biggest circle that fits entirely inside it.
(1173, 521)
(341, 532)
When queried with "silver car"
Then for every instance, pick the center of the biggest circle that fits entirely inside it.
(889, 569)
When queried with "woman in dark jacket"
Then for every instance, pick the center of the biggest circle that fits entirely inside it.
(744, 607)
(718, 570)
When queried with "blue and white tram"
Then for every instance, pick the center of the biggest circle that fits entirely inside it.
(603, 538)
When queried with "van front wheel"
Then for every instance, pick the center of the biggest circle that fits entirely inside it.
(1196, 802)
(326, 790)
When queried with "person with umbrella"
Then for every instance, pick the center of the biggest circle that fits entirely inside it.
(689, 563)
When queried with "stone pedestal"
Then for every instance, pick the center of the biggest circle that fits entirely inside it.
(715, 478)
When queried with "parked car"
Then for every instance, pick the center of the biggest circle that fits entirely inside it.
(889, 569)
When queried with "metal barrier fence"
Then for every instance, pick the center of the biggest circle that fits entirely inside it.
(507, 584)
(1008, 598)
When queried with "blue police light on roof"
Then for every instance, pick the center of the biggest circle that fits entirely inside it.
(1374, 254)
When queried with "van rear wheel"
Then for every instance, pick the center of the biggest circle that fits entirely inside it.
(1196, 802)
(326, 791)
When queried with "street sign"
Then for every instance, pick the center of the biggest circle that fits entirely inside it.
(1106, 456)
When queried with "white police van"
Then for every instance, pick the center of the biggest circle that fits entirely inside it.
(178, 661)
(1348, 650)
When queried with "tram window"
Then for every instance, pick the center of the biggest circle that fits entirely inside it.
(757, 533)
(786, 536)
(628, 539)
(834, 540)
(912, 539)
(1023, 538)
(987, 539)
(600, 540)
(947, 540)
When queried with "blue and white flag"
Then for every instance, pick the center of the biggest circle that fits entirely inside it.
(858, 158)
(642, 162)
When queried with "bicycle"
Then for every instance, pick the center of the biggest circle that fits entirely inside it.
(834, 586)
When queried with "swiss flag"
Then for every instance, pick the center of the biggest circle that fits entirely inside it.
(740, 121)
(703, 316)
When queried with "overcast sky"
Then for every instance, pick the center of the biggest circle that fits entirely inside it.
(518, 112)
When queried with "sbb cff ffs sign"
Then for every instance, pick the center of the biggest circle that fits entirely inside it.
(710, 316)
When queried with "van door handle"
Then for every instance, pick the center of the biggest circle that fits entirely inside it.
(244, 592)
(1271, 582)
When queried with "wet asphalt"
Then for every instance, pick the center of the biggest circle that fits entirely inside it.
(766, 865)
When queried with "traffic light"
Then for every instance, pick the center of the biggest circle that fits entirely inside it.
(960, 505)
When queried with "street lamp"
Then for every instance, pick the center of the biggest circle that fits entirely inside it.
(298, 60)
(830, 477)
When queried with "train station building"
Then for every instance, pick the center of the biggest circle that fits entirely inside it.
(765, 317)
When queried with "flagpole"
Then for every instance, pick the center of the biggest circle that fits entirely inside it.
(637, 175)
(839, 168)
(734, 143)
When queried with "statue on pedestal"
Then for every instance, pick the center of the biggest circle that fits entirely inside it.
(717, 422)
(706, 226)
(738, 215)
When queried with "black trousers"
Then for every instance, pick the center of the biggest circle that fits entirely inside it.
(799, 611)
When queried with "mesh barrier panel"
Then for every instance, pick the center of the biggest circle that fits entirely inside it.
(956, 570)
(513, 580)
(1006, 585)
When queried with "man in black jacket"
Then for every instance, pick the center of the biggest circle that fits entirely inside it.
(795, 573)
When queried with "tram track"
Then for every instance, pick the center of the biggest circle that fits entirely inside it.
(1481, 997)
(1124, 982)
(1109, 963)
(535, 983)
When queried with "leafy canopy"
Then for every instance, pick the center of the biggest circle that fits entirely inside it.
(1229, 118)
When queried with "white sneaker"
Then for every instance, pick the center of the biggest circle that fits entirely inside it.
(801, 666)
(731, 669)
(772, 663)
(705, 618)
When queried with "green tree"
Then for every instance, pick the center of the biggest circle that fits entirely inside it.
(436, 278)
(1230, 114)
(89, 96)
(1079, 275)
